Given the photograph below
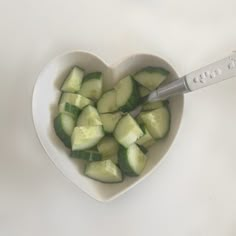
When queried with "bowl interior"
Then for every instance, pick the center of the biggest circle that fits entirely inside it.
(44, 107)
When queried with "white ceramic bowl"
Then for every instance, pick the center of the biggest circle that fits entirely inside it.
(44, 108)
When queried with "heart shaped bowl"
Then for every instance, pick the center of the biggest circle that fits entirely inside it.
(44, 108)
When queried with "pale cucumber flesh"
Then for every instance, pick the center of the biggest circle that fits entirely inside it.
(104, 171)
(127, 131)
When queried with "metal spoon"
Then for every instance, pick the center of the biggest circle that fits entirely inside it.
(203, 77)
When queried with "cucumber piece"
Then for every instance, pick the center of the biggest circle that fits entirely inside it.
(107, 102)
(152, 105)
(143, 149)
(73, 81)
(109, 121)
(113, 158)
(87, 155)
(64, 125)
(75, 99)
(108, 147)
(127, 95)
(104, 171)
(148, 144)
(69, 109)
(127, 131)
(146, 139)
(92, 86)
(157, 122)
(151, 77)
(143, 91)
(85, 137)
(89, 117)
(131, 160)
(139, 119)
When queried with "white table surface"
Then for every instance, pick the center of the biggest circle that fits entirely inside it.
(193, 192)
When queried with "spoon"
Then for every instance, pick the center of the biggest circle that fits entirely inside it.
(203, 77)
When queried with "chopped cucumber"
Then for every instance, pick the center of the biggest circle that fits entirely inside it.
(152, 105)
(148, 144)
(69, 109)
(75, 99)
(104, 171)
(157, 122)
(92, 86)
(127, 96)
(107, 103)
(151, 77)
(89, 117)
(88, 155)
(131, 160)
(73, 81)
(143, 149)
(146, 140)
(113, 158)
(108, 147)
(85, 137)
(109, 121)
(127, 131)
(143, 91)
(139, 119)
(64, 125)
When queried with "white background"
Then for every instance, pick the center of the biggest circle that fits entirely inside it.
(193, 192)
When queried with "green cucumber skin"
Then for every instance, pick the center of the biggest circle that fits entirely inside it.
(152, 69)
(143, 149)
(93, 75)
(166, 103)
(123, 162)
(72, 110)
(84, 155)
(59, 100)
(133, 101)
(66, 139)
(143, 93)
(142, 127)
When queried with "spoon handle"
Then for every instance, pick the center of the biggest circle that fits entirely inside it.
(203, 77)
(212, 74)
